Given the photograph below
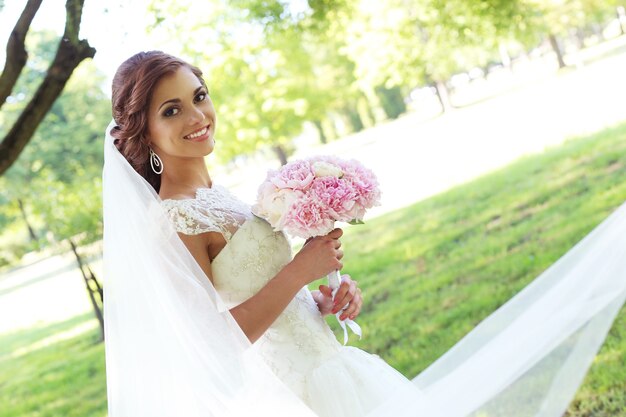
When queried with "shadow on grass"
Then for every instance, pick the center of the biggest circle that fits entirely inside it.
(63, 378)
(9, 342)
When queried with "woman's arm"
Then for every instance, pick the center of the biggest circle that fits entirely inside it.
(318, 257)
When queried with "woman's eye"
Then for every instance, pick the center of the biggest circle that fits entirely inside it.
(201, 96)
(170, 112)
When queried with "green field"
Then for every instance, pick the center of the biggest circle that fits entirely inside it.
(430, 273)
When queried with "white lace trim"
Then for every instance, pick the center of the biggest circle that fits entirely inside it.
(214, 209)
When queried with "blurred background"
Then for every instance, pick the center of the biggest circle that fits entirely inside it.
(496, 128)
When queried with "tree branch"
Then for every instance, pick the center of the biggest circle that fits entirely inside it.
(70, 54)
(16, 55)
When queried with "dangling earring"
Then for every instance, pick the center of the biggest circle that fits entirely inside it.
(155, 162)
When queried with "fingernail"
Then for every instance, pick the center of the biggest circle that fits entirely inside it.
(342, 317)
(352, 317)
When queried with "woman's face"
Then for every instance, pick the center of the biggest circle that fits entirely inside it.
(181, 119)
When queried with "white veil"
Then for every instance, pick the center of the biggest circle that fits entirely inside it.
(173, 349)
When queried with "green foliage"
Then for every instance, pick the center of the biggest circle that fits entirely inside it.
(274, 64)
(267, 74)
(256, 90)
(560, 16)
(57, 176)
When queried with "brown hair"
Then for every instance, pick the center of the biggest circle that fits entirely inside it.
(133, 86)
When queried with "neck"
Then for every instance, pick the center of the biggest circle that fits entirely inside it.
(183, 176)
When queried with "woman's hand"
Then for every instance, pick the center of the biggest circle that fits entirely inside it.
(348, 298)
(318, 257)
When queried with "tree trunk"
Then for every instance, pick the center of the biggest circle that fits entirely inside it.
(374, 105)
(392, 101)
(16, 55)
(69, 55)
(504, 55)
(90, 291)
(31, 231)
(354, 119)
(95, 281)
(320, 131)
(579, 37)
(621, 18)
(328, 125)
(557, 50)
(443, 96)
(597, 30)
(281, 154)
(365, 113)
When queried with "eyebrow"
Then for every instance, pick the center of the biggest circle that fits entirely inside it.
(177, 100)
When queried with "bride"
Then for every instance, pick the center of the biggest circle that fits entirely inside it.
(207, 312)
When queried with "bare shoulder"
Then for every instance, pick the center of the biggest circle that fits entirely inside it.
(199, 246)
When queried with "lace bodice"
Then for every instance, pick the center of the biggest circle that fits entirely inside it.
(299, 339)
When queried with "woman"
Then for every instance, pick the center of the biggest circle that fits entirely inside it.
(193, 278)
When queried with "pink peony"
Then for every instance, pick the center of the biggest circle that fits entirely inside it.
(296, 175)
(308, 218)
(365, 183)
(336, 194)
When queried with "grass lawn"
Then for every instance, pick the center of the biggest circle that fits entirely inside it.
(430, 273)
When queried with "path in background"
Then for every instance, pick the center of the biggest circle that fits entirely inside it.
(413, 159)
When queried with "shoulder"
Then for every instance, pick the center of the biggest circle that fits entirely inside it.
(199, 246)
(189, 216)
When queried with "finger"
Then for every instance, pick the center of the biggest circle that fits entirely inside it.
(335, 233)
(355, 306)
(353, 309)
(337, 243)
(326, 290)
(343, 299)
(338, 254)
(341, 291)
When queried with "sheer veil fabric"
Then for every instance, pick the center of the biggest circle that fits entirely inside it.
(173, 349)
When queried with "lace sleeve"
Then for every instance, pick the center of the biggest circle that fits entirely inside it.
(188, 218)
(213, 210)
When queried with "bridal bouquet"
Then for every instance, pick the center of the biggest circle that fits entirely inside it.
(306, 197)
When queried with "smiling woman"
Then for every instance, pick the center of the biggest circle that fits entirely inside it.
(164, 126)
(155, 82)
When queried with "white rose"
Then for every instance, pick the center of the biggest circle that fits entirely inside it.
(325, 169)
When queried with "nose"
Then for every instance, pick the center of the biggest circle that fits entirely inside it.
(196, 116)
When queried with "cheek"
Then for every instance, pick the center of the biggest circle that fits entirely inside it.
(158, 132)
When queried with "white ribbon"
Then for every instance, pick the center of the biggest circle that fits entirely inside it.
(334, 281)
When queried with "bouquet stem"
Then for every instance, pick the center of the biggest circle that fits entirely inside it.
(334, 281)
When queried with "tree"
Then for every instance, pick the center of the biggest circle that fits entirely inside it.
(55, 183)
(70, 53)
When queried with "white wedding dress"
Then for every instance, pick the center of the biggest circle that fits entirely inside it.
(299, 347)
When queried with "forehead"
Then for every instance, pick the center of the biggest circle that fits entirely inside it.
(179, 84)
